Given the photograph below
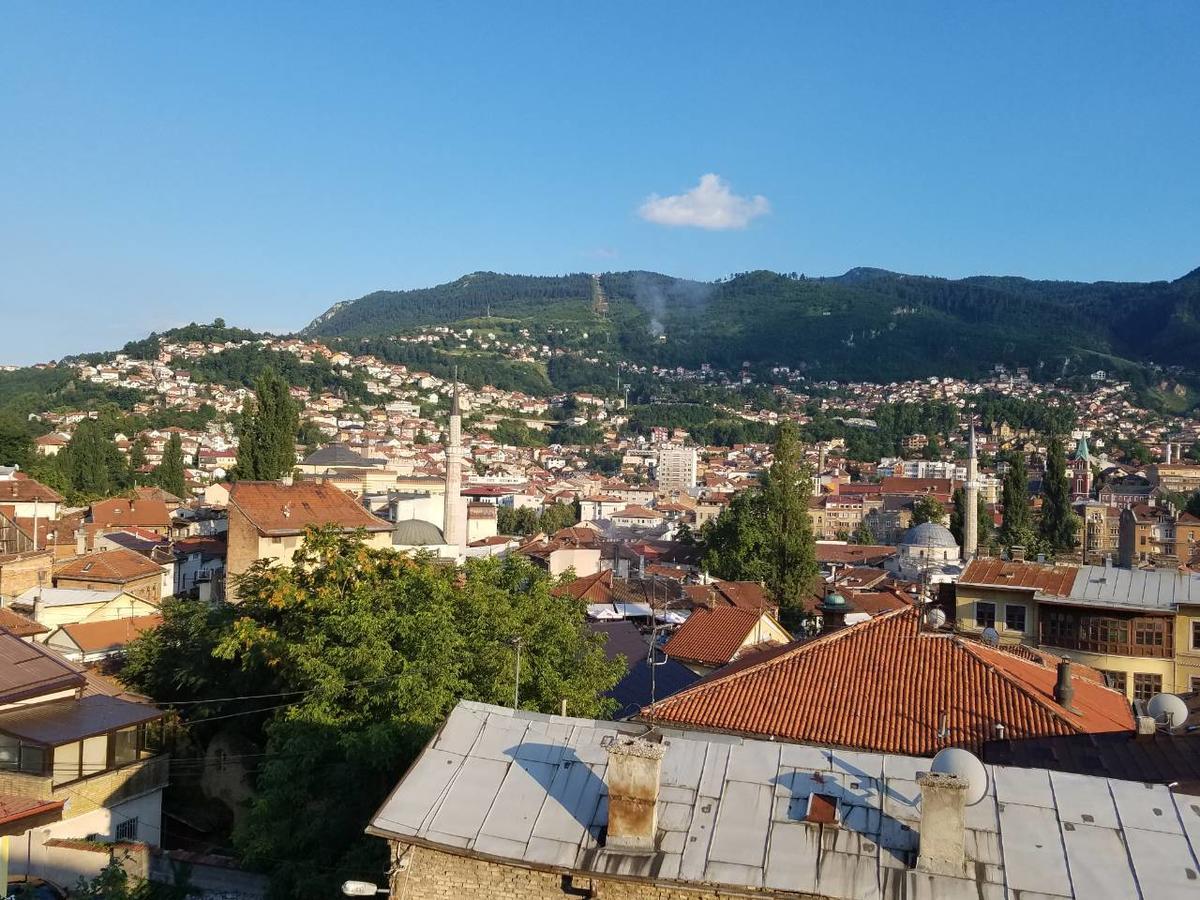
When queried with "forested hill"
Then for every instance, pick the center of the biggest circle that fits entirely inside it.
(867, 323)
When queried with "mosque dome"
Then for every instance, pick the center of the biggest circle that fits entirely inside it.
(416, 533)
(929, 534)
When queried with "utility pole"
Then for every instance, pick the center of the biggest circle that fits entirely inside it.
(517, 681)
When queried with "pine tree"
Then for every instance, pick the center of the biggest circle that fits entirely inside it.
(1017, 527)
(137, 454)
(267, 437)
(1058, 523)
(170, 472)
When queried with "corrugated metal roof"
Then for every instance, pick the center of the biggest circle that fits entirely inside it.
(60, 721)
(1051, 581)
(530, 789)
(1152, 590)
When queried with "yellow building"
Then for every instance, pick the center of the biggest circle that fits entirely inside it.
(1141, 628)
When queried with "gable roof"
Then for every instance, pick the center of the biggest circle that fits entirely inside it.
(147, 513)
(23, 489)
(31, 670)
(17, 624)
(108, 634)
(280, 509)
(110, 566)
(887, 687)
(712, 637)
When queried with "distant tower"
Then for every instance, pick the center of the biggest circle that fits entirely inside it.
(1081, 471)
(452, 525)
(971, 502)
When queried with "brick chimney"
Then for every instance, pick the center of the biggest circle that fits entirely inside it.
(1016, 553)
(634, 766)
(942, 848)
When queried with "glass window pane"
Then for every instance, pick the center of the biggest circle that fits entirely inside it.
(95, 754)
(125, 746)
(66, 762)
(10, 752)
(33, 759)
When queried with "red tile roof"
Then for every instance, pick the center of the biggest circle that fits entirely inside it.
(1054, 581)
(885, 687)
(15, 808)
(712, 637)
(24, 489)
(119, 512)
(110, 566)
(19, 625)
(109, 634)
(279, 509)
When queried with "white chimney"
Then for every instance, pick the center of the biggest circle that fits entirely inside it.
(943, 824)
(634, 766)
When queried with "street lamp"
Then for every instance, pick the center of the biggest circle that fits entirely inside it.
(361, 889)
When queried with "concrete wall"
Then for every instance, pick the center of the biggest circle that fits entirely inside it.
(434, 875)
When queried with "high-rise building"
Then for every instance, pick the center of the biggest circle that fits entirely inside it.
(676, 470)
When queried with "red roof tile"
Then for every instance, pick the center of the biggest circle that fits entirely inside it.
(24, 489)
(885, 687)
(712, 637)
(119, 512)
(278, 509)
(17, 624)
(109, 634)
(110, 566)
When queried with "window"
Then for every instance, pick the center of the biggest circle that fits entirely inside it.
(1146, 686)
(1195, 684)
(1115, 680)
(1148, 632)
(985, 614)
(1014, 617)
(125, 744)
(127, 830)
(1196, 634)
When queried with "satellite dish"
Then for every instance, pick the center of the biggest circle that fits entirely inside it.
(935, 617)
(1167, 709)
(991, 636)
(966, 765)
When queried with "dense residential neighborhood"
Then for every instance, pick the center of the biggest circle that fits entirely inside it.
(901, 625)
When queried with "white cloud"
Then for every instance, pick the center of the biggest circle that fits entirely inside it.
(710, 204)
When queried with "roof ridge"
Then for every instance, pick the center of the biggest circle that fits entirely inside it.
(801, 646)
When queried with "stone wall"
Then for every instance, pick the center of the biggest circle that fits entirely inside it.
(19, 571)
(435, 875)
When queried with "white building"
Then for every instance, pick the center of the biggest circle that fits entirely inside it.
(676, 470)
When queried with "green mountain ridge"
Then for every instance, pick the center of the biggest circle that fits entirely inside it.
(867, 323)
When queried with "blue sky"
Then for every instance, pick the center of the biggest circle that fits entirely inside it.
(162, 163)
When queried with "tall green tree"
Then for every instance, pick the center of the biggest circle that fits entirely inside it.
(1017, 527)
(765, 534)
(1058, 523)
(91, 463)
(928, 509)
(374, 648)
(267, 437)
(16, 444)
(862, 534)
(137, 454)
(170, 474)
(958, 516)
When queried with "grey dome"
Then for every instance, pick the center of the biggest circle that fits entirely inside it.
(416, 533)
(929, 534)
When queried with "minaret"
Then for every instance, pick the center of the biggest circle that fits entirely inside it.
(971, 502)
(452, 526)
